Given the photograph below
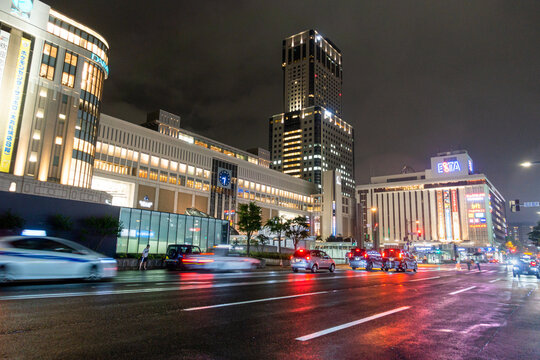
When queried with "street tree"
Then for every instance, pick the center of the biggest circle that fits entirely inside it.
(249, 220)
(534, 235)
(277, 225)
(297, 229)
(103, 227)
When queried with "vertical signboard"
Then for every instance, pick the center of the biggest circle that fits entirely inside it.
(447, 215)
(8, 143)
(455, 214)
(440, 215)
(4, 42)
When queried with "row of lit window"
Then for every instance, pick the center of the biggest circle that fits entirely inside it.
(77, 40)
(154, 161)
(250, 185)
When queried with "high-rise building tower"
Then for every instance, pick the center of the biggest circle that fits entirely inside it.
(309, 137)
(312, 72)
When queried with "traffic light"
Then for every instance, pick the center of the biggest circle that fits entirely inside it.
(514, 205)
(419, 232)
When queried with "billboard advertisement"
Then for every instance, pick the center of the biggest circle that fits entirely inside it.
(447, 214)
(440, 215)
(8, 144)
(455, 214)
(4, 42)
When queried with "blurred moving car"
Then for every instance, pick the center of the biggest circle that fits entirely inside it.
(174, 260)
(368, 259)
(222, 258)
(525, 265)
(399, 259)
(43, 257)
(313, 260)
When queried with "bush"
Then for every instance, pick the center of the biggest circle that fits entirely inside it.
(138, 256)
(270, 255)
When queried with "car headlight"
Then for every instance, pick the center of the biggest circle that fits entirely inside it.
(513, 262)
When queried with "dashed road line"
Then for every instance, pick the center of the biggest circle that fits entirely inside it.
(353, 323)
(462, 290)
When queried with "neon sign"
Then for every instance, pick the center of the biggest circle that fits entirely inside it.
(101, 62)
(448, 167)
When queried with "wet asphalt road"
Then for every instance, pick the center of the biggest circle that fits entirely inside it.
(437, 313)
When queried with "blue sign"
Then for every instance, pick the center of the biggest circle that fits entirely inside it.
(23, 8)
(224, 178)
(101, 62)
(448, 166)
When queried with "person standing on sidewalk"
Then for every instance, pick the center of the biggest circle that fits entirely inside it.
(144, 257)
(458, 263)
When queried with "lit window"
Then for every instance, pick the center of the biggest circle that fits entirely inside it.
(48, 61)
(58, 140)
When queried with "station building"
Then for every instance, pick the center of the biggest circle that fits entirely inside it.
(52, 70)
(446, 207)
(160, 166)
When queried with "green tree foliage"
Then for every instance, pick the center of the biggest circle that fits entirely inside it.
(11, 221)
(297, 229)
(249, 220)
(102, 227)
(534, 235)
(59, 222)
(277, 225)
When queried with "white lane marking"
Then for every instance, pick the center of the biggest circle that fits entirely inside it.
(353, 323)
(255, 301)
(445, 330)
(462, 290)
(429, 278)
(175, 288)
(492, 281)
(471, 272)
(492, 271)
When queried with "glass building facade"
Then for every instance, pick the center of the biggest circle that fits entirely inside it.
(160, 229)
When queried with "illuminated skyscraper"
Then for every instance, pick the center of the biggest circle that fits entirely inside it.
(310, 137)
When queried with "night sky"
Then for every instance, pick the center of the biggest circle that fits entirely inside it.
(420, 77)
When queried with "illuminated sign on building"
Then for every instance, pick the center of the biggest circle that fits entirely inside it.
(14, 108)
(448, 166)
(455, 214)
(471, 170)
(476, 212)
(440, 215)
(4, 42)
(101, 62)
(145, 202)
(22, 8)
(447, 215)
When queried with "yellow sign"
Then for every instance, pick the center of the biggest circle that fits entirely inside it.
(15, 105)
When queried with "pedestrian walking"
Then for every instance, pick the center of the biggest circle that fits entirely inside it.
(144, 257)
(469, 264)
(478, 264)
(458, 263)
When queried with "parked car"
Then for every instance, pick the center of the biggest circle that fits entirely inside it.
(177, 253)
(399, 259)
(525, 265)
(220, 259)
(43, 257)
(368, 259)
(313, 260)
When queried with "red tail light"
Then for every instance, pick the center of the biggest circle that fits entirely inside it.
(357, 250)
(307, 257)
(365, 255)
(350, 255)
(533, 263)
(291, 257)
(400, 255)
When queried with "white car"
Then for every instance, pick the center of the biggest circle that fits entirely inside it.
(221, 259)
(42, 257)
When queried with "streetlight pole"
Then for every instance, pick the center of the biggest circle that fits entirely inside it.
(375, 228)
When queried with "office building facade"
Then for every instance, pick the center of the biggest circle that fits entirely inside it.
(443, 206)
(174, 170)
(52, 71)
(309, 138)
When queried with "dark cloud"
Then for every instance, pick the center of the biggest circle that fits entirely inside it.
(419, 76)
